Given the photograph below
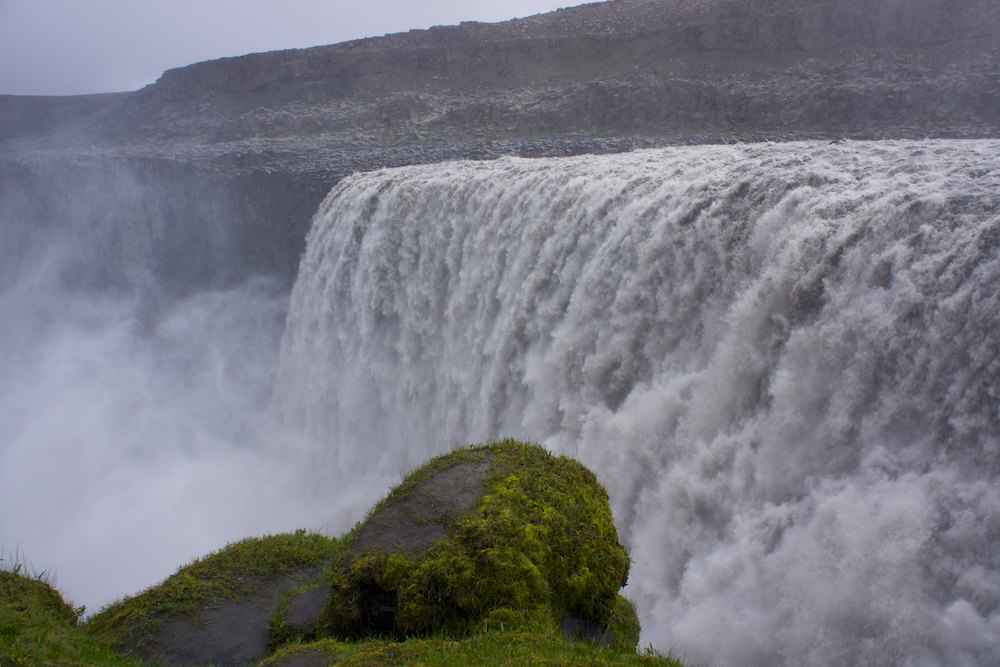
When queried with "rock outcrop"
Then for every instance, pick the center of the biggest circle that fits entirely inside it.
(217, 609)
(503, 534)
(500, 537)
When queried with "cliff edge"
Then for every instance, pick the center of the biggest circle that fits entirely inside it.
(248, 133)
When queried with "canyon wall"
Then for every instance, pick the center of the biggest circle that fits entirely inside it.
(233, 155)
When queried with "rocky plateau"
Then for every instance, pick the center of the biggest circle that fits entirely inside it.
(231, 157)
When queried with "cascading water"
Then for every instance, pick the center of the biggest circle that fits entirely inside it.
(783, 361)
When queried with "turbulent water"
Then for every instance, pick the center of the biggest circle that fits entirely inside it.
(783, 361)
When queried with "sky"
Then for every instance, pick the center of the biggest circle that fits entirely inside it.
(72, 47)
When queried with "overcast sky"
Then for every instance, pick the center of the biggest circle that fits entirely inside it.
(67, 47)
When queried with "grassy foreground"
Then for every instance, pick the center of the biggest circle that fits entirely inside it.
(487, 575)
(487, 649)
(38, 629)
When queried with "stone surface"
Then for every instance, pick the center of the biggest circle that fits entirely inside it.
(411, 527)
(230, 634)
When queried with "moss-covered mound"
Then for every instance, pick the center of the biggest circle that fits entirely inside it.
(217, 609)
(529, 543)
(25, 595)
(37, 627)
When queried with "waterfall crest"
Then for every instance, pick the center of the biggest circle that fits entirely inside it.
(782, 360)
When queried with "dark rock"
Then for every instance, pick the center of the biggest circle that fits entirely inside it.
(229, 633)
(577, 628)
(218, 609)
(411, 527)
(304, 607)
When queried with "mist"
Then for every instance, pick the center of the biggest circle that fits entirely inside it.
(135, 429)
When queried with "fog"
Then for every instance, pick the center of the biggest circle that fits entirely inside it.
(135, 439)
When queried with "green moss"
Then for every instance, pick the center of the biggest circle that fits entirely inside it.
(624, 625)
(233, 573)
(322, 652)
(539, 544)
(37, 627)
(281, 628)
(20, 593)
(483, 649)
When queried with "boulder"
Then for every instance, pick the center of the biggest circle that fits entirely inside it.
(498, 536)
(218, 609)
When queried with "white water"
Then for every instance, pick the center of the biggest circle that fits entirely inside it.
(783, 361)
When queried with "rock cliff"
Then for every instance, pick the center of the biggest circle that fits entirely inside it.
(232, 156)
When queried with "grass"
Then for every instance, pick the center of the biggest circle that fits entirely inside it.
(37, 627)
(488, 649)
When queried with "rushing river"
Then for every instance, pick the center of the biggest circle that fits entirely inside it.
(783, 361)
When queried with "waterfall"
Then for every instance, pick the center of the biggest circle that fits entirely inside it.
(782, 360)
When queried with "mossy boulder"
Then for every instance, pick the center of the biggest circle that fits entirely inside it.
(498, 536)
(217, 609)
(38, 627)
(26, 595)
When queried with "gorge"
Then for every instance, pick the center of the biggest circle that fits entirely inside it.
(741, 259)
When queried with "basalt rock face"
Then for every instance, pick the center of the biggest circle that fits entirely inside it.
(249, 133)
(630, 66)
